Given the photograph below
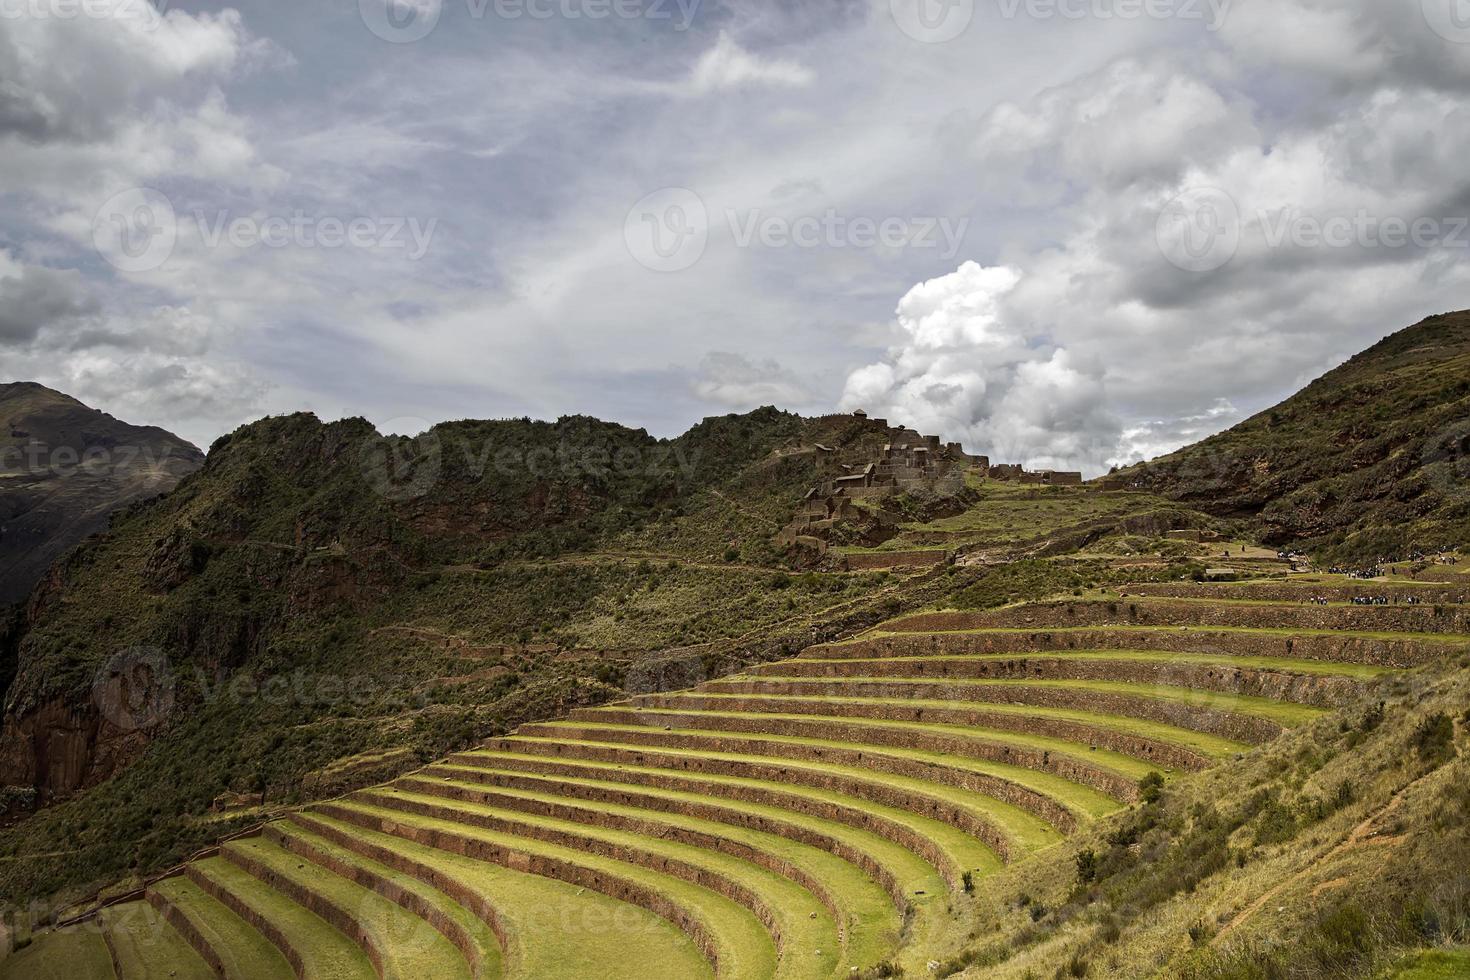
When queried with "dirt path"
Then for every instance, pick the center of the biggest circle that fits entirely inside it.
(1365, 834)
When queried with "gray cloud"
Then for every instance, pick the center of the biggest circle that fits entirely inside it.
(528, 141)
(36, 298)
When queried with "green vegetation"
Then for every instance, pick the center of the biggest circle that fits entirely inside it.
(79, 953)
(145, 946)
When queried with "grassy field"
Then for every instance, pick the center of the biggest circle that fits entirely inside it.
(146, 946)
(78, 953)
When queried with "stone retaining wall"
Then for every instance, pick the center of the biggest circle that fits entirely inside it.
(405, 899)
(472, 900)
(1165, 754)
(876, 560)
(1278, 685)
(704, 811)
(1071, 767)
(653, 829)
(185, 927)
(1403, 653)
(250, 914)
(884, 827)
(1300, 591)
(1175, 612)
(1034, 802)
(465, 845)
(343, 920)
(1181, 713)
(715, 881)
(965, 819)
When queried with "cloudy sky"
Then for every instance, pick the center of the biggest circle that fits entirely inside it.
(1069, 232)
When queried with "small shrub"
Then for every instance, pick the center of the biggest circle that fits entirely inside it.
(1277, 824)
(1086, 867)
(1151, 787)
(1434, 738)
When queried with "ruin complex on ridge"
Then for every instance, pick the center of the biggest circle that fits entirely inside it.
(909, 460)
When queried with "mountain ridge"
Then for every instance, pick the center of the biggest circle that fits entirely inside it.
(65, 468)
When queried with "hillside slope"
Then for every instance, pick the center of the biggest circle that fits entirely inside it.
(1370, 461)
(64, 469)
(320, 603)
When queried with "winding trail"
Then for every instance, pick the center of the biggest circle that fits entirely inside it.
(1365, 834)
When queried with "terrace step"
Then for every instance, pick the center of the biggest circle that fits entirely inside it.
(895, 869)
(75, 953)
(422, 906)
(143, 945)
(1157, 611)
(308, 942)
(1305, 591)
(548, 928)
(1195, 749)
(1381, 649)
(233, 948)
(800, 923)
(1006, 828)
(731, 938)
(1064, 803)
(400, 945)
(1245, 719)
(1315, 683)
(1009, 737)
(947, 849)
(863, 911)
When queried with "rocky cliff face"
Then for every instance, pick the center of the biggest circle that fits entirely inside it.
(64, 470)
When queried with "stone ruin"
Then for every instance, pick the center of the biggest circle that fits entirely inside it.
(909, 459)
(1016, 473)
